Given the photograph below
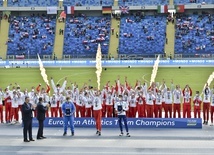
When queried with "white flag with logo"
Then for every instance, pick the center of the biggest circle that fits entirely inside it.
(52, 10)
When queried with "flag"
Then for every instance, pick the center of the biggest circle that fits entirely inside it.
(106, 9)
(124, 9)
(179, 8)
(162, 8)
(69, 9)
(52, 10)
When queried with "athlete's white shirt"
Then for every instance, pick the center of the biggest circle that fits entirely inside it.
(109, 99)
(207, 96)
(132, 101)
(53, 101)
(158, 100)
(60, 99)
(79, 100)
(97, 102)
(14, 99)
(187, 96)
(168, 97)
(149, 99)
(1, 97)
(6, 95)
(87, 101)
(177, 96)
(124, 107)
(125, 98)
(212, 99)
(199, 98)
(31, 96)
(140, 100)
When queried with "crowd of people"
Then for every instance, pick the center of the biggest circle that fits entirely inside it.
(142, 100)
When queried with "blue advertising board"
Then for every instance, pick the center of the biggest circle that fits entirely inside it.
(108, 63)
(132, 122)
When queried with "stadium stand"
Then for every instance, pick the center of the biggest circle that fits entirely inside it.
(31, 35)
(142, 2)
(82, 34)
(142, 36)
(88, 2)
(1, 3)
(194, 34)
(32, 3)
(193, 1)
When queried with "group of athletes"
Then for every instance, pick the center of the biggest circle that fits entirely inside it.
(141, 100)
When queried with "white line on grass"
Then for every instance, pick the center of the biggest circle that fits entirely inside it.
(72, 75)
(143, 77)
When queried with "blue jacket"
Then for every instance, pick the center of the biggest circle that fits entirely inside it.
(68, 108)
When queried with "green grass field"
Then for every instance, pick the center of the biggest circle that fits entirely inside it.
(196, 77)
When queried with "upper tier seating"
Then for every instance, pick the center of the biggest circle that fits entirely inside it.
(82, 35)
(32, 3)
(88, 2)
(142, 2)
(1, 3)
(31, 35)
(142, 35)
(193, 1)
(194, 34)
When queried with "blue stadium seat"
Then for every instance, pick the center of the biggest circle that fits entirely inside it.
(31, 35)
(1, 3)
(88, 2)
(194, 34)
(82, 35)
(142, 36)
(32, 3)
(142, 2)
(193, 1)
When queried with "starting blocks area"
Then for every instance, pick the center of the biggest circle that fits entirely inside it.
(132, 122)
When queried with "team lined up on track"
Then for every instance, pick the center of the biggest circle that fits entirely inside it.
(142, 100)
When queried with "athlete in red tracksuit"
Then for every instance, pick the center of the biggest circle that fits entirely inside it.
(133, 106)
(197, 100)
(163, 89)
(212, 107)
(88, 105)
(141, 106)
(150, 97)
(53, 102)
(14, 107)
(168, 103)
(158, 105)
(7, 102)
(1, 105)
(177, 102)
(206, 104)
(97, 110)
(109, 104)
(58, 90)
(187, 94)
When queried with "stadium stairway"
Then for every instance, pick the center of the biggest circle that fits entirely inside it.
(115, 2)
(114, 40)
(59, 39)
(4, 30)
(170, 35)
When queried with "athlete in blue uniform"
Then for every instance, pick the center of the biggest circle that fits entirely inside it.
(68, 110)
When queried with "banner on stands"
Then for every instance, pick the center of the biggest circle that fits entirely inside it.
(112, 63)
(132, 122)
